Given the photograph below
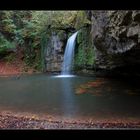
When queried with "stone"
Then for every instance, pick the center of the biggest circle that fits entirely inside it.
(136, 16)
(54, 52)
(133, 31)
(116, 38)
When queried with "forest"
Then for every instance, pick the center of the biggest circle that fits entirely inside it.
(24, 35)
(69, 69)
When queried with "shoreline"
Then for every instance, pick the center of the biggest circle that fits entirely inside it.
(12, 120)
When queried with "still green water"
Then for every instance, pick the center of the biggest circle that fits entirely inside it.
(46, 94)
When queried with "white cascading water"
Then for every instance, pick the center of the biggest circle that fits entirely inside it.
(69, 55)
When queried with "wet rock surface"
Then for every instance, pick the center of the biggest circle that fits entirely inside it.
(54, 52)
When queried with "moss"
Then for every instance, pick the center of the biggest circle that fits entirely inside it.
(81, 20)
(90, 56)
(80, 37)
(84, 52)
(79, 59)
(44, 40)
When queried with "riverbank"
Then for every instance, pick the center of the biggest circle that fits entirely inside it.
(15, 68)
(9, 120)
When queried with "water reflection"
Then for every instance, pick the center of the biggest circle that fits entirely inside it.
(68, 102)
(70, 97)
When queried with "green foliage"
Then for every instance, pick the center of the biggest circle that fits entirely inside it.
(31, 30)
(19, 29)
(60, 19)
(90, 56)
(18, 37)
(84, 56)
(9, 25)
(56, 19)
(80, 58)
(5, 44)
(10, 58)
(81, 20)
(7, 21)
(44, 40)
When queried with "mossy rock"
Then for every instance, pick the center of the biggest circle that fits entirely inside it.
(84, 52)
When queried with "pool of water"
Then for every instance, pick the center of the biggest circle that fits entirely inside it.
(70, 97)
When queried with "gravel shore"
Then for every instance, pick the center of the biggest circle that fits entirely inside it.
(11, 121)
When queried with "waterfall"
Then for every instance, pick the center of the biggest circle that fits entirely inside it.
(69, 55)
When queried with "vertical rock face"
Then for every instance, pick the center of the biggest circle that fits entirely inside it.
(84, 51)
(54, 52)
(116, 38)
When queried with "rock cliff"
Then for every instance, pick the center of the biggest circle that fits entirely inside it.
(116, 38)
